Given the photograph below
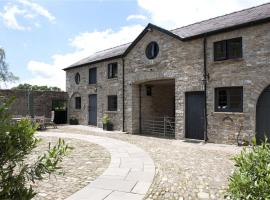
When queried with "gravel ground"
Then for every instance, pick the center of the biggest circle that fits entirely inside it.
(183, 170)
(83, 164)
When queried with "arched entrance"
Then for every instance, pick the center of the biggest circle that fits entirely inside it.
(263, 116)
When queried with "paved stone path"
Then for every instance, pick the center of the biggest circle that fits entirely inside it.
(184, 170)
(128, 177)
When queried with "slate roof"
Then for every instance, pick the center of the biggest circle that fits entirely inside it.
(230, 20)
(245, 17)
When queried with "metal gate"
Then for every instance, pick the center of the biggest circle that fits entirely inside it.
(158, 126)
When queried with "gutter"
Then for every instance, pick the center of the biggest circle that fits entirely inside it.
(205, 79)
(123, 93)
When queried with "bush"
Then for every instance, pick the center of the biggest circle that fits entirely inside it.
(251, 178)
(17, 140)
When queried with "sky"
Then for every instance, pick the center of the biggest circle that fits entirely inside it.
(41, 37)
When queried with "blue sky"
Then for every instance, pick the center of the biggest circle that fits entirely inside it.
(42, 37)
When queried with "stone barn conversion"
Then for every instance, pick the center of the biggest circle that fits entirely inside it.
(207, 81)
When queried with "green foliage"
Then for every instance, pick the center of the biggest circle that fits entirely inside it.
(73, 121)
(26, 86)
(251, 178)
(17, 140)
(5, 74)
(105, 119)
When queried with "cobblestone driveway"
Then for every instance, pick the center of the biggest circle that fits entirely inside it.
(183, 170)
(83, 164)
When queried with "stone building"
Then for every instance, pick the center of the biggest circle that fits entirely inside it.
(208, 81)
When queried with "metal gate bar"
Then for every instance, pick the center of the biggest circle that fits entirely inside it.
(159, 126)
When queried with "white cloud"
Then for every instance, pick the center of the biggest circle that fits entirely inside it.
(176, 13)
(141, 17)
(84, 44)
(38, 9)
(26, 10)
(9, 17)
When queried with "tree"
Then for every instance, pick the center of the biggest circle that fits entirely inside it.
(17, 140)
(27, 86)
(5, 74)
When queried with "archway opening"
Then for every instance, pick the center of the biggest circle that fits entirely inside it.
(263, 116)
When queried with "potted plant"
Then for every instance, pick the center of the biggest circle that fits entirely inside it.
(73, 121)
(107, 125)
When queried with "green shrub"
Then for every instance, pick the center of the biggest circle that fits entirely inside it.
(105, 119)
(251, 178)
(73, 121)
(17, 140)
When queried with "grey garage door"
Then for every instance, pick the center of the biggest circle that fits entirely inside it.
(263, 116)
(195, 115)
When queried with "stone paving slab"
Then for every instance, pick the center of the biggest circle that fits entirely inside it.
(129, 175)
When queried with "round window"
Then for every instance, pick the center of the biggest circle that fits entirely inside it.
(151, 50)
(77, 78)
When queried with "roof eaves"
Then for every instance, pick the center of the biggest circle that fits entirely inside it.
(230, 28)
(93, 62)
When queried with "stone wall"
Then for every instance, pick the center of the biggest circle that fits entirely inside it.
(252, 72)
(177, 60)
(41, 101)
(103, 88)
(160, 103)
(182, 62)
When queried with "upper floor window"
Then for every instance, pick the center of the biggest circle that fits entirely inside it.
(112, 103)
(93, 75)
(77, 78)
(229, 99)
(77, 102)
(228, 49)
(152, 50)
(112, 70)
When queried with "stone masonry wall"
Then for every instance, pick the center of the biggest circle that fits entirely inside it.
(252, 72)
(42, 101)
(181, 61)
(103, 88)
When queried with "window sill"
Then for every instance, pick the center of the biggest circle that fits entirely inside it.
(112, 79)
(232, 60)
(229, 113)
(92, 84)
(111, 112)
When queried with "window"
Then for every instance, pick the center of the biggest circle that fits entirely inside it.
(152, 50)
(228, 49)
(229, 99)
(93, 75)
(77, 78)
(148, 90)
(112, 103)
(112, 70)
(77, 102)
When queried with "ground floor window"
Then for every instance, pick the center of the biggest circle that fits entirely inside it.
(77, 102)
(112, 103)
(229, 99)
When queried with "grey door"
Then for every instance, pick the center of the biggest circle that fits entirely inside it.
(263, 116)
(195, 115)
(93, 109)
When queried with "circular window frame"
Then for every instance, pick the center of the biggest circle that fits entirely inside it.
(149, 48)
(77, 78)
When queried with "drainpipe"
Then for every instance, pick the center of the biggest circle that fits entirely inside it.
(205, 77)
(123, 93)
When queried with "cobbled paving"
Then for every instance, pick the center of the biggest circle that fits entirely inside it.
(184, 171)
(82, 165)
